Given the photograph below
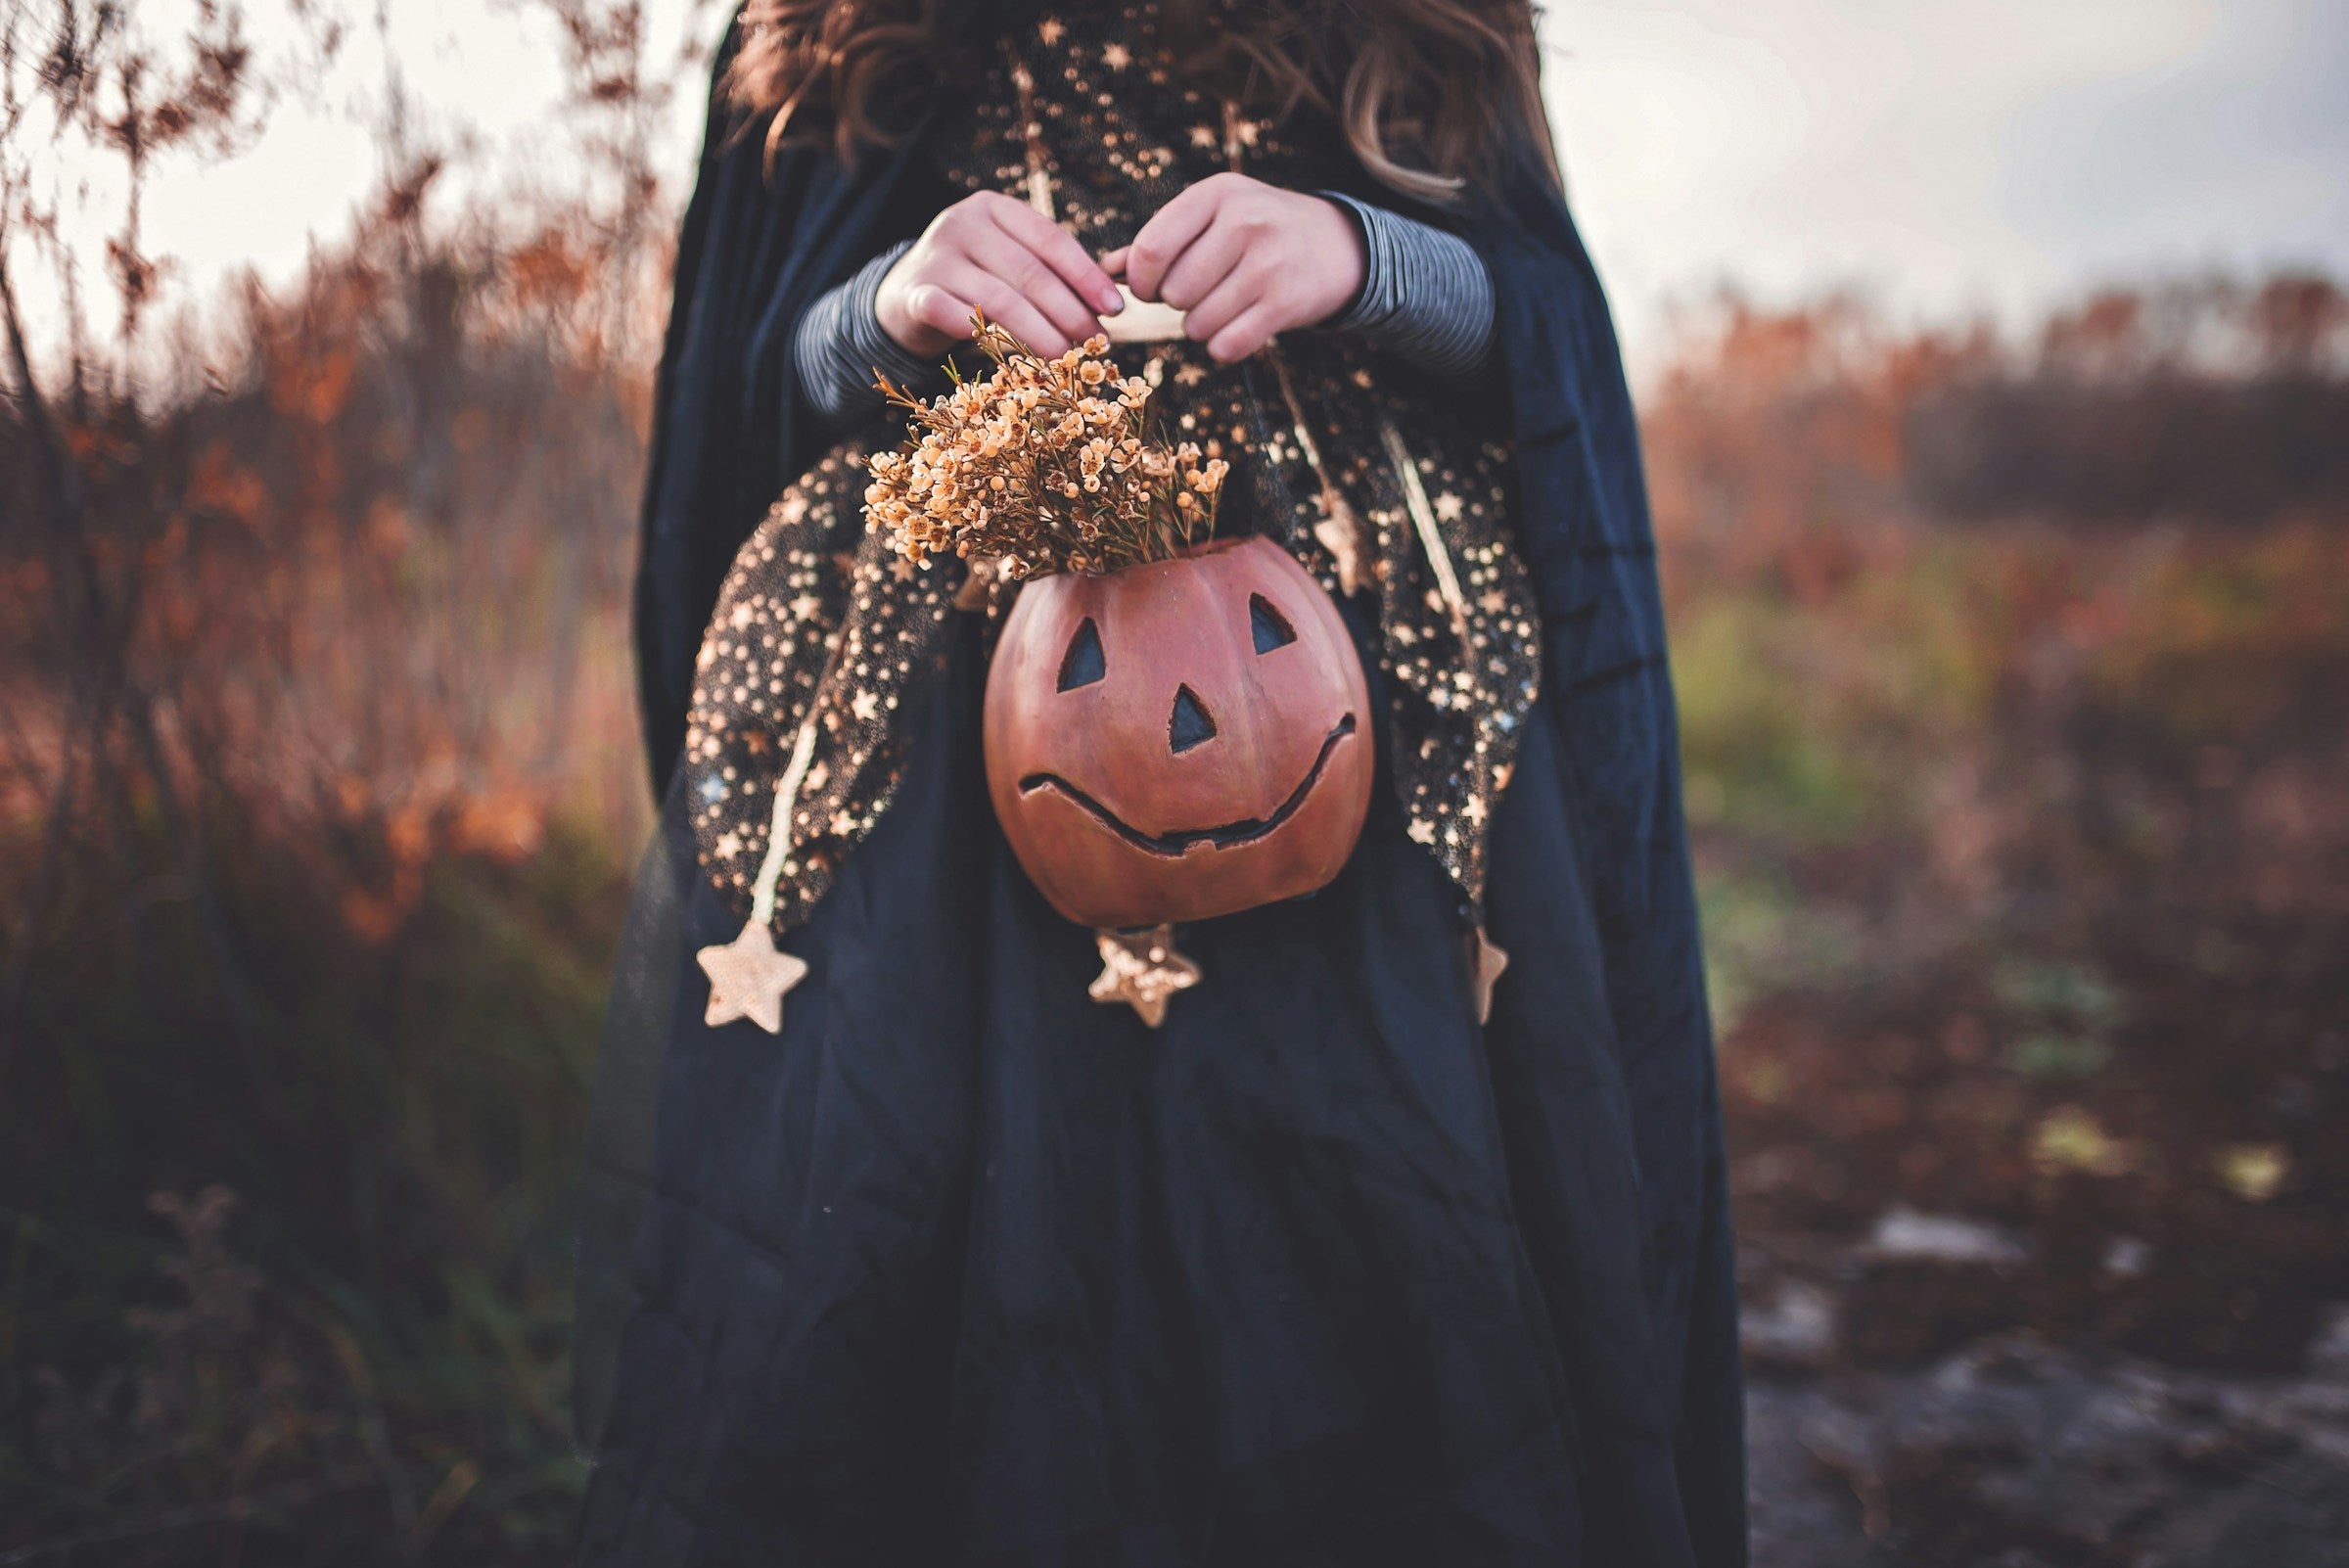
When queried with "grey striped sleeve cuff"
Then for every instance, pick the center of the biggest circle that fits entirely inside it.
(1426, 296)
(840, 343)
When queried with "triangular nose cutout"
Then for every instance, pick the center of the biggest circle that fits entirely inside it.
(1189, 727)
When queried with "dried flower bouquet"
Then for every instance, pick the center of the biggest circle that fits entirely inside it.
(1045, 466)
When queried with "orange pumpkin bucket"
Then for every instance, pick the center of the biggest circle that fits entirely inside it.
(1180, 739)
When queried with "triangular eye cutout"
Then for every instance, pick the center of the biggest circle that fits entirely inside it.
(1188, 726)
(1271, 632)
(1083, 663)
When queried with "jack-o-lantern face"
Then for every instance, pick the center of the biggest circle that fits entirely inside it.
(1178, 740)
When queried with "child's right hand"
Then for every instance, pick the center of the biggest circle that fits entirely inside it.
(995, 253)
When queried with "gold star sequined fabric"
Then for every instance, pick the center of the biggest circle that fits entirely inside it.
(818, 621)
(1089, 103)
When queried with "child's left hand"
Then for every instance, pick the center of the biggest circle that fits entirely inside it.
(1244, 261)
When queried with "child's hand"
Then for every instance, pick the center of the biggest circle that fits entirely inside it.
(1245, 261)
(995, 253)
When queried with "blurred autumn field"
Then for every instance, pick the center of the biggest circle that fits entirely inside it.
(2014, 672)
(2013, 691)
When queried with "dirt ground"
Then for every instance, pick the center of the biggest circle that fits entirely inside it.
(2043, 1260)
(2015, 1454)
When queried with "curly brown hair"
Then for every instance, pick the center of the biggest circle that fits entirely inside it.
(1428, 91)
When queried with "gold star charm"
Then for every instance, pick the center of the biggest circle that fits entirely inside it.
(1341, 535)
(1485, 961)
(1142, 969)
(747, 979)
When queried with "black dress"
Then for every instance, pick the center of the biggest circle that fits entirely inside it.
(966, 1267)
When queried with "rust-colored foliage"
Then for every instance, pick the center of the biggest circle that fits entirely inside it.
(317, 761)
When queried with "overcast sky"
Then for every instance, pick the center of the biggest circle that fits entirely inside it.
(1946, 155)
(1949, 154)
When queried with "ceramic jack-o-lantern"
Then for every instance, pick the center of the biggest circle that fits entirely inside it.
(1180, 739)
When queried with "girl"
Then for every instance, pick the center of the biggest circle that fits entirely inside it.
(1401, 1240)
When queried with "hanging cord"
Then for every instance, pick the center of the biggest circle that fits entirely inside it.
(1340, 530)
(788, 787)
(1431, 532)
(778, 833)
(1032, 136)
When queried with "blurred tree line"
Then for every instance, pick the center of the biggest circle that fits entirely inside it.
(2208, 400)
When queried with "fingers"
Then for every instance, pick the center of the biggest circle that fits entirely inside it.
(1209, 260)
(995, 253)
(1058, 249)
(1246, 333)
(1248, 286)
(942, 311)
(1163, 240)
(1223, 252)
(1007, 307)
(1028, 275)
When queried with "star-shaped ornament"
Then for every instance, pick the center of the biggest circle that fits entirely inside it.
(1486, 960)
(747, 979)
(1341, 535)
(1142, 969)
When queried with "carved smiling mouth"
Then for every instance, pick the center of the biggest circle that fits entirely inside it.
(1179, 842)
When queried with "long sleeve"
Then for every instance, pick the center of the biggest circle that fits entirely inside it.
(840, 343)
(1425, 296)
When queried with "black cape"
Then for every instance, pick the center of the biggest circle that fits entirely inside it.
(1599, 1071)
